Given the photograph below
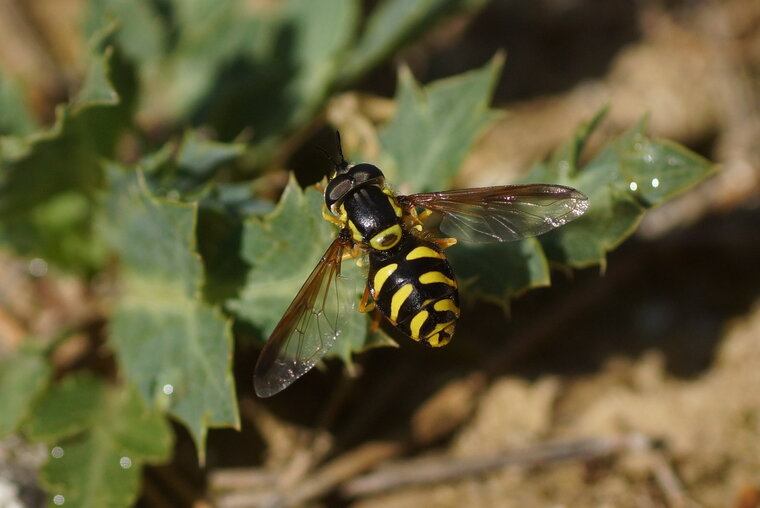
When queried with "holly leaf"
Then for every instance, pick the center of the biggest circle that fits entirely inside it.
(630, 175)
(100, 437)
(284, 75)
(435, 126)
(15, 117)
(391, 25)
(232, 66)
(188, 171)
(49, 180)
(499, 271)
(23, 376)
(142, 33)
(172, 346)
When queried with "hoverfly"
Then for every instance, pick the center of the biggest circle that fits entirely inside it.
(409, 278)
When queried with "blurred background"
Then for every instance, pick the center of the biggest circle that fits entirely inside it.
(644, 373)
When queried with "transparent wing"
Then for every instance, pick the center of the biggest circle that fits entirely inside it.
(504, 213)
(309, 328)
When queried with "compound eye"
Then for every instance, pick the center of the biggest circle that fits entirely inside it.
(365, 172)
(337, 189)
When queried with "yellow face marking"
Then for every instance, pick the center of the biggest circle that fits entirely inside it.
(399, 297)
(355, 232)
(417, 322)
(433, 277)
(386, 238)
(423, 252)
(446, 304)
(382, 275)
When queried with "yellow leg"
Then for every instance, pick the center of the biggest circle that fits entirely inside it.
(331, 218)
(424, 215)
(411, 215)
(415, 220)
(321, 186)
(352, 253)
(444, 243)
(366, 306)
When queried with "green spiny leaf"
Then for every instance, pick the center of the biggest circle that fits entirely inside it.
(194, 166)
(435, 126)
(69, 408)
(498, 272)
(23, 376)
(199, 158)
(142, 34)
(630, 175)
(274, 92)
(162, 331)
(49, 182)
(15, 117)
(391, 25)
(102, 436)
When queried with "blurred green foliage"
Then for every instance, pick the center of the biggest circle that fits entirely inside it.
(193, 235)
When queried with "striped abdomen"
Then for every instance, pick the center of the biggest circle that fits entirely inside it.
(414, 287)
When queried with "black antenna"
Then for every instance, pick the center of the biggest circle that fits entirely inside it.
(341, 166)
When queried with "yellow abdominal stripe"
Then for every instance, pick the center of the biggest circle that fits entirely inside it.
(382, 275)
(442, 330)
(433, 277)
(416, 324)
(423, 252)
(399, 297)
(446, 304)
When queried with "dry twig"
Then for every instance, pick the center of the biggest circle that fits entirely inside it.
(444, 468)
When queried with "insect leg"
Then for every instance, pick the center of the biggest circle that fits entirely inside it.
(444, 243)
(414, 220)
(330, 218)
(365, 305)
(377, 318)
(320, 185)
(354, 252)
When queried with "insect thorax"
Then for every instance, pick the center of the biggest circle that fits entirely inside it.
(373, 216)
